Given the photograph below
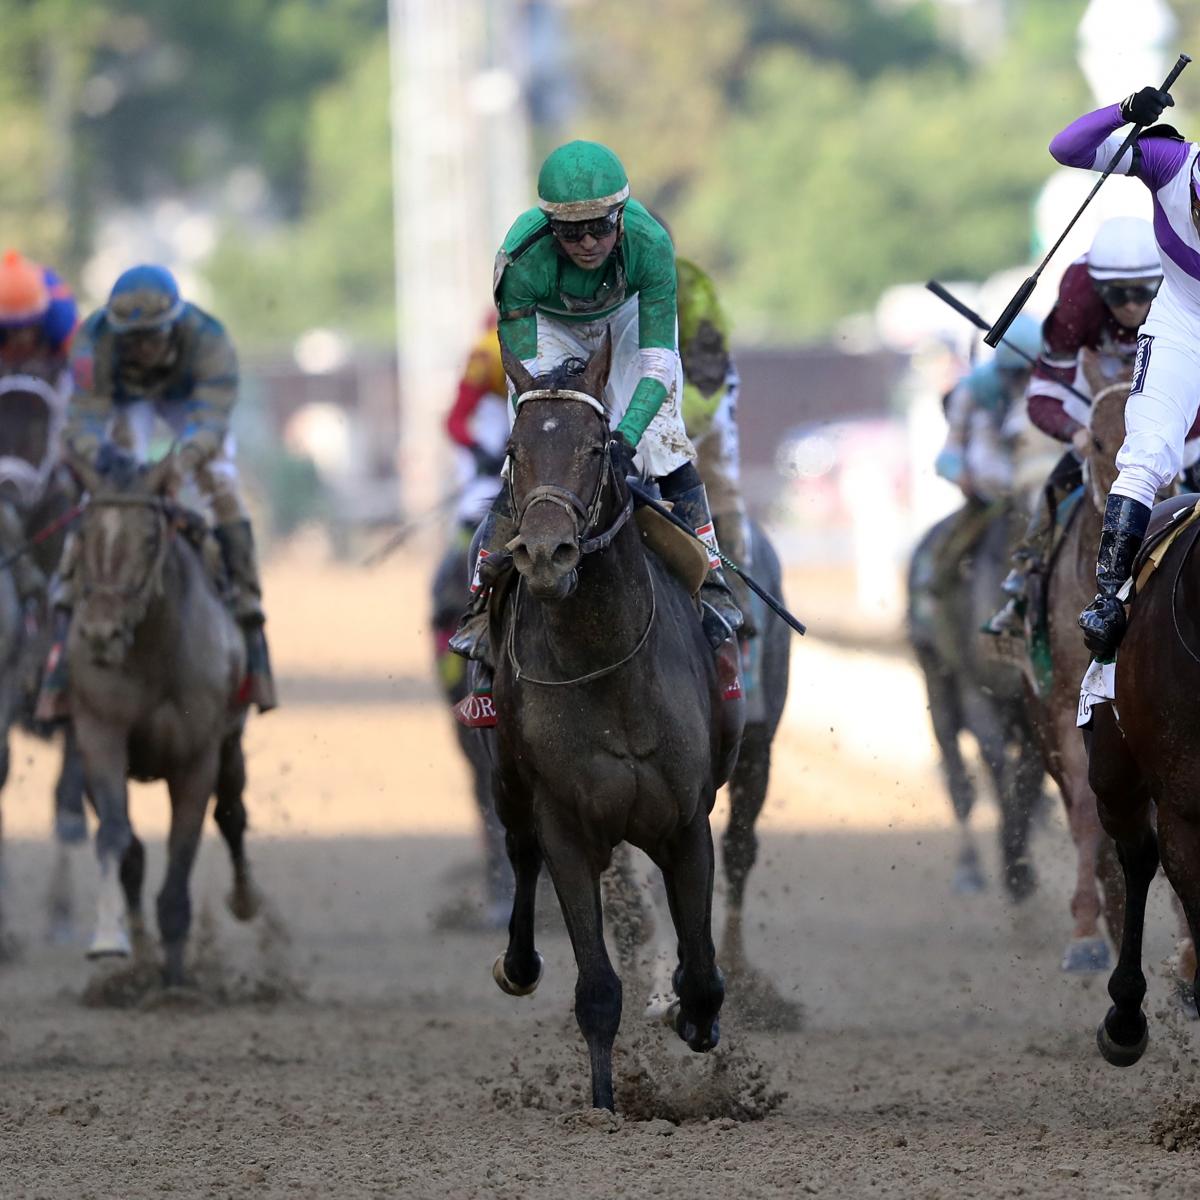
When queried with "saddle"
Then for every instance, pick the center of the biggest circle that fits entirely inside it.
(1168, 520)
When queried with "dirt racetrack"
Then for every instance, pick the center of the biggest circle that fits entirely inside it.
(345, 1046)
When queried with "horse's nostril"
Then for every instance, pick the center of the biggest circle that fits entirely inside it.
(565, 556)
(521, 559)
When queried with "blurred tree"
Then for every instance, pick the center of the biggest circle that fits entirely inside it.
(332, 267)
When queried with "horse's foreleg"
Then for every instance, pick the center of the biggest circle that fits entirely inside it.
(519, 970)
(230, 815)
(747, 792)
(1123, 807)
(687, 866)
(190, 788)
(132, 876)
(102, 748)
(1022, 789)
(598, 989)
(70, 832)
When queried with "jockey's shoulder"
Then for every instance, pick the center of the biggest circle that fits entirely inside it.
(646, 243)
(528, 230)
(196, 322)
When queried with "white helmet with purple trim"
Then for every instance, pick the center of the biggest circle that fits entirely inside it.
(1124, 248)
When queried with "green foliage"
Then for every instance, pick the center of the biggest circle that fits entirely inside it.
(812, 152)
(333, 267)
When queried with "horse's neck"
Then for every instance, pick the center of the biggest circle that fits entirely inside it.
(182, 574)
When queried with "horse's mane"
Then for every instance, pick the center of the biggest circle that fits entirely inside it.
(563, 376)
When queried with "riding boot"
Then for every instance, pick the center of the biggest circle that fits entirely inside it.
(720, 614)
(1028, 557)
(491, 557)
(236, 540)
(1103, 621)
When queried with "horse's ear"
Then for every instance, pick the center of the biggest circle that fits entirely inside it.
(595, 375)
(514, 368)
(83, 470)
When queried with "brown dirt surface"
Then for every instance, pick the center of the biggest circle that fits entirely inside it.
(339, 1045)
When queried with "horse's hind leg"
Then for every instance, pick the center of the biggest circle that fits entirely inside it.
(190, 788)
(945, 714)
(1124, 809)
(747, 792)
(687, 867)
(597, 990)
(230, 815)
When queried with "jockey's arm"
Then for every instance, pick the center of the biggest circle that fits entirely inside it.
(210, 405)
(92, 402)
(1091, 142)
(657, 353)
(950, 463)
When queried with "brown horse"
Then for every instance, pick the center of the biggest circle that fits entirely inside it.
(1144, 767)
(1070, 585)
(611, 723)
(156, 663)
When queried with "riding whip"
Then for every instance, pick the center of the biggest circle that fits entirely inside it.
(959, 307)
(1006, 318)
(774, 605)
(409, 527)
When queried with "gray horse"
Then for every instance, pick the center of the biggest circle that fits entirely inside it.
(36, 499)
(611, 722)
(954, 586)
(156, 665)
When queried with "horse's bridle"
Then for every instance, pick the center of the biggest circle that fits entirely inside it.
(585, 515)
(136, 599)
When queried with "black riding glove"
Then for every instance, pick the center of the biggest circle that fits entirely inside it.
(485, 463)
(622, 456)
(1146, 106)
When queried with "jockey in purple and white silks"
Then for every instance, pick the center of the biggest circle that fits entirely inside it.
(1165, 393)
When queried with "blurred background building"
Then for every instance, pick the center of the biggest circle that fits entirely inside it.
(332, 177)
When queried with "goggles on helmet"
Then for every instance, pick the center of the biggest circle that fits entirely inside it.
(1117, 294)
(576, 231)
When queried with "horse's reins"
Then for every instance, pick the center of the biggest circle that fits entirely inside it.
(585, 517)
(47, 531)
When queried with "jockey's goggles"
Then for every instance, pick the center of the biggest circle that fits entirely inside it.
(1117, 294)
(576, 231)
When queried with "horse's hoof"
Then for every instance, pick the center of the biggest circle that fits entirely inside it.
(1117, 1054)
(507, 986)
(1086, 956)
(244, 903)
(1020, 882)
(701, 1043)
(968, 880)
(110, 945)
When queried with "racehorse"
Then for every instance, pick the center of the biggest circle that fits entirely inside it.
(953, 581)
(1070, 585)
(611, 722)
(156, 665)
(39, 499)
(1144, 756)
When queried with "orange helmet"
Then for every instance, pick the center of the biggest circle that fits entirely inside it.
(24, 295)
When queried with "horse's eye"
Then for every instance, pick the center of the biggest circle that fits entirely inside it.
(1096, 444)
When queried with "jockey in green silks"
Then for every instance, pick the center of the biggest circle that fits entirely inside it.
(588, 260)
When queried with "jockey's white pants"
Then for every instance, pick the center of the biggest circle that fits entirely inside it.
(717, 460)
(1163, 400)
(477, 491)
(216, 479)
(665, 444)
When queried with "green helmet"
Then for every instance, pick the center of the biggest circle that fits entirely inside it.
(581, 181)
